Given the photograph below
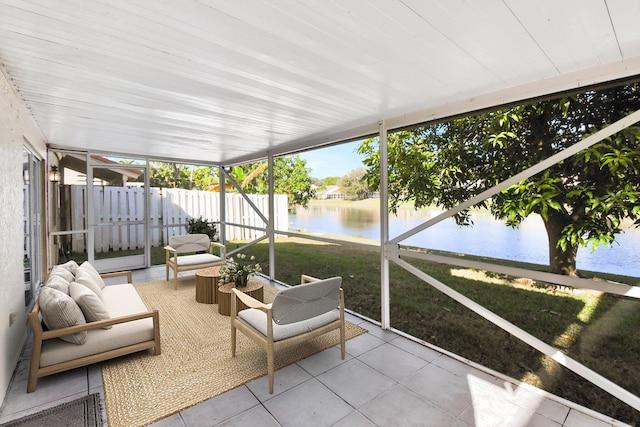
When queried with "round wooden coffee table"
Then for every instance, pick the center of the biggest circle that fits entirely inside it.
(207, 285)
(253, 289)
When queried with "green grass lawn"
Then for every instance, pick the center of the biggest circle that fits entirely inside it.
(598, 331)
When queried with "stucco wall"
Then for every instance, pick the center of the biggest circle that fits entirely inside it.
(15, 125)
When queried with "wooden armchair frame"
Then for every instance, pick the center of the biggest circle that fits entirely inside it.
(173, 251)
(267, 341)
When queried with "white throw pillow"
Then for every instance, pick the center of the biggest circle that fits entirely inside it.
(92, 307)
(59, 283)
(70, 266)
(86, 279)
(60, 271)
(85, 266)
(59, 310)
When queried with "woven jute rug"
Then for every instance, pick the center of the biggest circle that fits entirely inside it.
(195, 363)
(82, 412)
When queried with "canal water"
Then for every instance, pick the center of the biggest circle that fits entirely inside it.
(487, 237)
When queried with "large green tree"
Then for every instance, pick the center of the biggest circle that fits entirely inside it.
(291, 177)
(168, 175)
(178, 175)
(582, 200)
(355, 185)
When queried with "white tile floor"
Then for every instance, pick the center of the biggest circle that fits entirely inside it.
(385, 380)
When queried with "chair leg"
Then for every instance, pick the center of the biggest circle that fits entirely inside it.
(156, 333)
(32, 382)
(175, 278)
(342, 339)
(270, 369)
(34, 363)
(233, 341)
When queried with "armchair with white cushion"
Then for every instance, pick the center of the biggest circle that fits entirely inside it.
(178, 257)
(297, 314)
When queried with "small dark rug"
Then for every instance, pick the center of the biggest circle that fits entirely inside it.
(83, 412)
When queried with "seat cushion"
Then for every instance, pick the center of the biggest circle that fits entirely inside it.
(197, 259)
(258, 320)
(120, 300)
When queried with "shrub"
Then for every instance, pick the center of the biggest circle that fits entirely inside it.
(202, 226)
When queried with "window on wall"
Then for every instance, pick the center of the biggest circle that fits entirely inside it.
(32, 225)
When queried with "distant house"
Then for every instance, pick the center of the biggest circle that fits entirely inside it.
(330, 192)
(73, 171)
(337, 192)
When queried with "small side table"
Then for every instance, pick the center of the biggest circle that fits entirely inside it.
(207, 285)
(254, 289)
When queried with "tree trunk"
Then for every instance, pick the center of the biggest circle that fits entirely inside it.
(560, 261)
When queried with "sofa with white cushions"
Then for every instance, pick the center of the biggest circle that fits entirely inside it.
(78, 320)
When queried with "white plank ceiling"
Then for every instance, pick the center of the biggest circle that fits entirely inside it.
(228, 80)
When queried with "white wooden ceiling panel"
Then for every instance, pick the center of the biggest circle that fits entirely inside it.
(625, 17)
(276, 61)
(480, 31)
(228, 80)
(587, 39)
(382, 35)
(330, 55)
(241, 89)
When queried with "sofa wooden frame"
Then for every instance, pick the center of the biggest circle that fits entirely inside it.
(40, 335)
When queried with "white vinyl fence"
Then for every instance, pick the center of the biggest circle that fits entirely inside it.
(117, 208)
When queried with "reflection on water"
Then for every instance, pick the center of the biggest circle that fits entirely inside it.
(359, 219)
(487, 237)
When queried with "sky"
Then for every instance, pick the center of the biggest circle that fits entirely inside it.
(337, 160)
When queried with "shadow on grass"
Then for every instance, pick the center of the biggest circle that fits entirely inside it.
(592, 329)
(598, 331)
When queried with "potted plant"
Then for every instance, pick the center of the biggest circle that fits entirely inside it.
(240, 270)
(202, 226)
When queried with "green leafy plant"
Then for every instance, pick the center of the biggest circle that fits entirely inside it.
(202, 226)
(240, 271)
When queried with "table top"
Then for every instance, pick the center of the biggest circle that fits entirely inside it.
(252, 285)
(209, 272)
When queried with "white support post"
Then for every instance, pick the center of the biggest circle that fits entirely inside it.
(384, 229)
(223, 206)
(147, 208)
(91, 213)
(272, 216)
